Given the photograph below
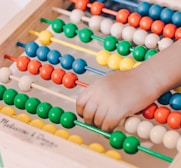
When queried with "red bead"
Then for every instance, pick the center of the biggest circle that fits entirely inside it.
(46, 71)
(157, 27)
(96, 8)
(145, 23)
(22, 63)
(134, 19)
(149, 112)
(34, 66)
(69, 80)
(161, 114)
(122, 16)
(81, 4)
(174, 120)
(169, 30)
(57, 75)
(178, 33)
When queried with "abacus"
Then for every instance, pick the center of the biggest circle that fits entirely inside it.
(48, 55)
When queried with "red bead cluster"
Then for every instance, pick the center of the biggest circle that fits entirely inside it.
(163, 115)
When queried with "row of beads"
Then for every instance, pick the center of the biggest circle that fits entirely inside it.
(44, 110)
(47, 72)
(163, 115)
(118, 30)
(110, 43)
(157, 134)
(158, 27)
(50, 128)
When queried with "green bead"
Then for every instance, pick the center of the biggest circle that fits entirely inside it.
(139, 53)
(31, 105)
(9, 96)
(116, 140)
(130, 145)
(110, 43)
(57, 25)
(43, 109)
(20, 100)
(55, 114)
(67, 119)
(150, 53)
(70, 30)
(123, 47)
(85, 35)
(2, 90)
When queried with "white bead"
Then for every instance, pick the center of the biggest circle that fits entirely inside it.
(131, 124)
(151, 40)
(170, 139)
(116, 30)
(95, 22)
(76, 16)
(144, 129)
(179, 145)
(139, 37)
(25, 83)
(128, 32)
(157, 133)
(5, 73)
(164, 43)
(105, 26)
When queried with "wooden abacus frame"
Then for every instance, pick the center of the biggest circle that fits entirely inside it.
(16, 30)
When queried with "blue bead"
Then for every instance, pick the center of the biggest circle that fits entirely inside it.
(176, 19)
(66, 61)
(53, 57)
(155, 11)
(42, 53)
(175, 101)
(143, 8)
(78, 66)
(30, 49)
(166, 15)
(164, 99)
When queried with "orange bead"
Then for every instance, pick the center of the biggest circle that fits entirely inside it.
(169, 30)
(46, 71)
(174, 120)
(96, 8)
(145, 23)
(57, 75)
(157, 27)
(34, 66)
(134, 19)
(22, 63)
(81, 4)
(122, 16)
(69, 80)
(178, 33)
(149, 112)
(161, 114)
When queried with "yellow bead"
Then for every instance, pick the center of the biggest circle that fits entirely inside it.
(97, 147)
(37, 123)
(23, 117)
(126, 64)
(114, 61)
(49, 128)
(137, 64)
(62, 133)
(102, 57)
(113, 154)
(178, 89)
(8, 111)
(1, 106)
(76, 139)
(45, 37)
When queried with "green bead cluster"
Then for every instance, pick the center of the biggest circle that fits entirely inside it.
(119, 140)
(110, 43)
(34, 106)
